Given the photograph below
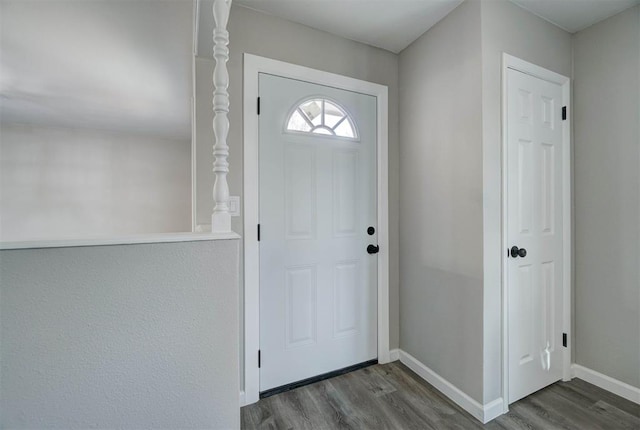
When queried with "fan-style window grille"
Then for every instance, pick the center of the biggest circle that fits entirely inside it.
(321, 116)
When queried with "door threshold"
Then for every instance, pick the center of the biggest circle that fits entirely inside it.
(318, 378)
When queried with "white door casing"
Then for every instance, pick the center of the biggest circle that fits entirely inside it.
(537, 218)
(317, 199)
(253, 65)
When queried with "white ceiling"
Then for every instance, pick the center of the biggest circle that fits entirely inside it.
(103, 64)
(387, 24)
(575, 15)
(394, 24)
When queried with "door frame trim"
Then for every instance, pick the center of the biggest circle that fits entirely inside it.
(253, 65)
(514, 63)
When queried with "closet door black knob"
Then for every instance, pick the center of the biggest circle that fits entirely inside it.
(518, 252)
(373, 249)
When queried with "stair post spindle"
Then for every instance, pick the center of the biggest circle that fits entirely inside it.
(221, 218)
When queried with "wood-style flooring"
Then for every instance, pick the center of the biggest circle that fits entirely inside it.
(391, 396)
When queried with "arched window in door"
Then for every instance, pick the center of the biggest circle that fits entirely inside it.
(321, 116)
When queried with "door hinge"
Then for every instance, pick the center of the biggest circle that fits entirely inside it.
(259, 360)
(258, 232)
(258, 105)
(564, 340)
(564, 113)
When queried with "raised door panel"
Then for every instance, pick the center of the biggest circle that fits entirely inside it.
(525, 99)
(548, 188)
(548, 284)
(300, 192)
(346, 308)
(548, 112)
(345, 192)
(301, 306)
(523, 321)
(525, 194)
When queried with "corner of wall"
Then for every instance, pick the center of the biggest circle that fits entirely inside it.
(542, 43)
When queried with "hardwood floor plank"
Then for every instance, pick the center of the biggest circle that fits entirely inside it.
(403, 414)
(530, 415)
(574, 415)
(245, 419)
(408, 380)
(333, 406)
(262, 416)
(297, 409)
(513, 421)
(438, 409)
(595, 394)
(375, 382)
(617, 417)
(392, 397)
(366, 403)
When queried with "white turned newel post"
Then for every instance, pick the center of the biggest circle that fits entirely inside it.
(221, 219)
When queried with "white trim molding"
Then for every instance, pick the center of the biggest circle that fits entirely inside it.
(514, 63)
(394, 355)
(483, 413)
(608, 383)
(118, 240)
(253, 66)
(492, 410)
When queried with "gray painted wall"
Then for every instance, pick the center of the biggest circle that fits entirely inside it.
(505, 28)
(127, 336)
(268, 36)
(441, 199)
(450, 159)
(72, 182)
(607, 196)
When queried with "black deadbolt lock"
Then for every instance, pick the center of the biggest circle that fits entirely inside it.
(371, 230)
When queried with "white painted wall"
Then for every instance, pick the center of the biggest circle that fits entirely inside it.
(607, 196)
(275, 38)
(99, 64)
(511, 29)
(127, 336)
(59, 182)
(441, 199)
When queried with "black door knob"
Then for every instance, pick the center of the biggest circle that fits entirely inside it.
(518, 252)
(373, 249)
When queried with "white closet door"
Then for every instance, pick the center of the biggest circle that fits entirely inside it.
(535, 228)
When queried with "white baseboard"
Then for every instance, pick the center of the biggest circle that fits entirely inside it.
(483, 413)
(243, 401)
(605, 382)
(394, 355)
(492, 410)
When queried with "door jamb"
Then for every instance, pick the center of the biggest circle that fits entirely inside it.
(253, 65)
(511, 62)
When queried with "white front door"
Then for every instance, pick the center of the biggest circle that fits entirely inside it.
(534, 233)
(318, 286)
